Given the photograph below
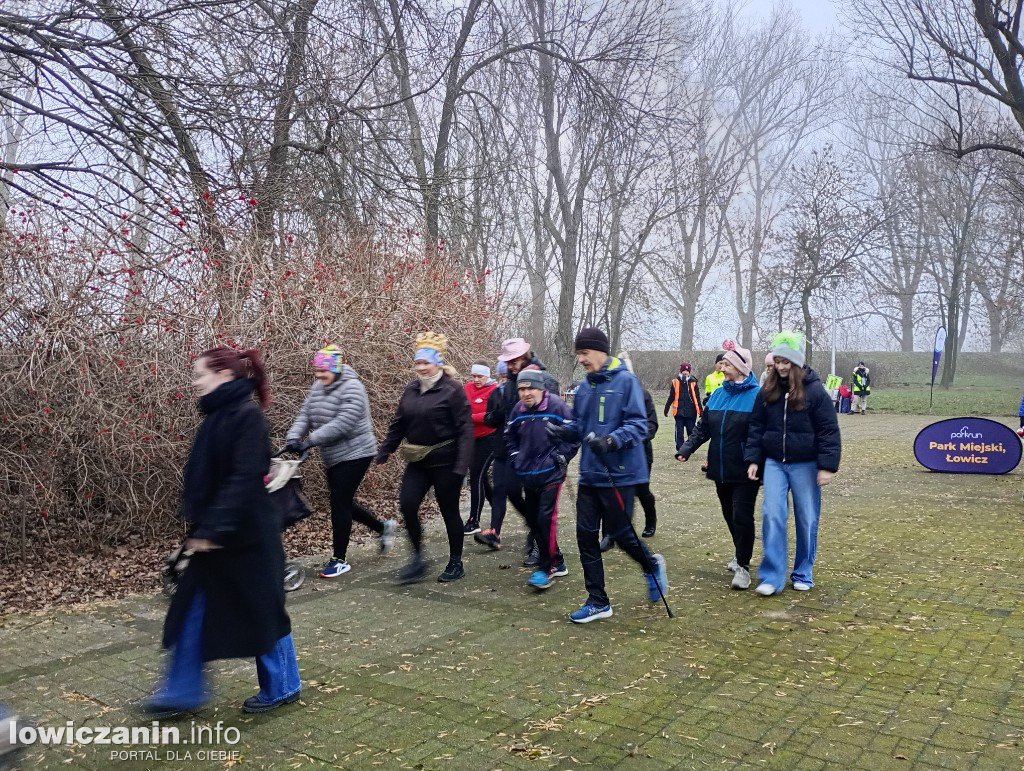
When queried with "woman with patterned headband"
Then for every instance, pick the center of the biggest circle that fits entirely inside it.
(336, 418)
(433, 431)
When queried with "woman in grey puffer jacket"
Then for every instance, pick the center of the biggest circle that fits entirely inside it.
(336, 415)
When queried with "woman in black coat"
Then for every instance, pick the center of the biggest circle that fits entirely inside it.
(434, 426)
(230, 599)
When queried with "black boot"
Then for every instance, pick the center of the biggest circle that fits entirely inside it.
(649, 529)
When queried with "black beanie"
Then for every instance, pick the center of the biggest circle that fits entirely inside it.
(592, 339)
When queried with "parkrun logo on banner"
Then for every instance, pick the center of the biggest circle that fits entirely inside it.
(968, 446)
(965, 433)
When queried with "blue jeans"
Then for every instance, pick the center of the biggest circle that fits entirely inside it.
(184, 682)
(780, 479)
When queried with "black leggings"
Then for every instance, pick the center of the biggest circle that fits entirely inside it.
(479, 484)
(646, 498)
(343, 479)
(737, 499)
(416, 482)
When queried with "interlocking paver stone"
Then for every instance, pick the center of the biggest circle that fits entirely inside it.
(906, 654)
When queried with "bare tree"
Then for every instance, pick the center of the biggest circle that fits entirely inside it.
(786, 88)
(959, 51)
(828, 228)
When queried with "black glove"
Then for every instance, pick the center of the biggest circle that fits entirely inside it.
(381, 458)
(558, 432)
(295, 445)
(666, 413)
(561, 462)
(600, 445)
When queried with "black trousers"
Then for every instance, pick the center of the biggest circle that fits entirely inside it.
(479, 485)
(541, 515)
(507, 489)
(614, 507)
(343, 480)
(646, 498)
(416, 483)
(684, 428)
(738, 499)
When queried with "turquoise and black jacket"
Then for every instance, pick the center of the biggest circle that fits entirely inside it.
(724, 423)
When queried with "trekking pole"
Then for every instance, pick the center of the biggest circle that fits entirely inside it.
(622, 504)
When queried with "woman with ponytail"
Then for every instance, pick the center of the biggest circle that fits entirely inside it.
(794, 435)
(230, 599)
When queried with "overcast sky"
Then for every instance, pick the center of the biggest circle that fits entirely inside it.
(818, 15)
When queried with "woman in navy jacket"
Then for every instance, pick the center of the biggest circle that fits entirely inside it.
(795, 434)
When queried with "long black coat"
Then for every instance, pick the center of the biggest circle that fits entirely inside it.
(225, 501)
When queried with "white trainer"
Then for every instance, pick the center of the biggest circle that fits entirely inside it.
(800, 586)
(741, 579)
(766, 590)
(387, 535)
(733, 565)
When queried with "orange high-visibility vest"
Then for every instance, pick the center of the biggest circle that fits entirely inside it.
(676, 391)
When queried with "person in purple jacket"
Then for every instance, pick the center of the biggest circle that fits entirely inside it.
(540, 464)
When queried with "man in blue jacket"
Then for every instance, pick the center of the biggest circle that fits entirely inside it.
(610, 419)
(540, 462)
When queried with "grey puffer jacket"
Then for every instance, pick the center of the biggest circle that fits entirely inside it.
(337, 418)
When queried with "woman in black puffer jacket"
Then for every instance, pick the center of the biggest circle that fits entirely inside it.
(794, 433)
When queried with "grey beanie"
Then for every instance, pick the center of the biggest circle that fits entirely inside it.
(789, 346)
(532, 377)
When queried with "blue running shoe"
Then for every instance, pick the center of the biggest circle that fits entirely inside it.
(559, 570)
(662, 578)
(587, 613)
(540, 579)
(335, 568)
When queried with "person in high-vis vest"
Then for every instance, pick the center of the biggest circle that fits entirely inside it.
(714, 380)
(684, 403)
(861, 388)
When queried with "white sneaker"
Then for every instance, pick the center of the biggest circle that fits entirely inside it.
(800, 586)
(733, 565)
(387, 536)
(742, 579)
(766, 590)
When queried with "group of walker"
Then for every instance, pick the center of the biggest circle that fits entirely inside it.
(230, 599)
(781, 431)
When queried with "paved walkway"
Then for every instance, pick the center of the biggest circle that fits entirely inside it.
(908, 653)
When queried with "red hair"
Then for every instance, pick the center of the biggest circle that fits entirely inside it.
(246, 365)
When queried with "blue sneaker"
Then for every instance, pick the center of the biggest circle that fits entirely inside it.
(587, 613)
(559, 570)
(540, 579)
(659, 572)
(335, 568)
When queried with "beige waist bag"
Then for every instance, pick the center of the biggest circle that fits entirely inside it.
(413, 453)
